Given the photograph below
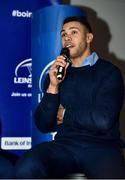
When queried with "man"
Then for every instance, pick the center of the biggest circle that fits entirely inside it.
(83, 108)
(6, 168)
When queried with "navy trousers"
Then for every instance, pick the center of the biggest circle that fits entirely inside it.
(58, 159)
(6, 168)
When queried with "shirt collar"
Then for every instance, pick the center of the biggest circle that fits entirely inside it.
(90, 60)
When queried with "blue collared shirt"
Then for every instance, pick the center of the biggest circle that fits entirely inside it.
(90, 60)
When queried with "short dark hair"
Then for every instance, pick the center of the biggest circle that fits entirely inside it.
(81, 19)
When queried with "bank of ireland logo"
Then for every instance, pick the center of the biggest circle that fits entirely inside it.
(23, 73)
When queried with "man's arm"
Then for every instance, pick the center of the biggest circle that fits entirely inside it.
(46, 112)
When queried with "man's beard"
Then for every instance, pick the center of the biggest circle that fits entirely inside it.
(79, 51)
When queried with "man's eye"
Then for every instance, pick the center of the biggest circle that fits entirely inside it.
(74, 32)
(63, 35)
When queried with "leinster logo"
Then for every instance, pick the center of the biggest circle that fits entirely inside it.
(43, 75)
(23, 72)
(25, 65)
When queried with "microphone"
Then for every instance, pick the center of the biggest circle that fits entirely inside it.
(66, 53)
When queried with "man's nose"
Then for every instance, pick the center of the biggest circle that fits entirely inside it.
(68, 37)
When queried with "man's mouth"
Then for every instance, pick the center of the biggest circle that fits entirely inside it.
(68, 45)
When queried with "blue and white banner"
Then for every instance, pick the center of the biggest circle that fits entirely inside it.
(16, 72)
(46, 46)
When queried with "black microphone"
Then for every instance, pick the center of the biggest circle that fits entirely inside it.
(66, 53)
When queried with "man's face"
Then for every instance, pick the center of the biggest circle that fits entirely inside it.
(74, 36)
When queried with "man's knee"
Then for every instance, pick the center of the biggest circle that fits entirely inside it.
(6, 169)
(30, 167)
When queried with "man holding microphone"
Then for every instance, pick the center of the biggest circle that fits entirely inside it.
(82, 105)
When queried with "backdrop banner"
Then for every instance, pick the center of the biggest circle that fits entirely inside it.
(46, 46)
(16, 72)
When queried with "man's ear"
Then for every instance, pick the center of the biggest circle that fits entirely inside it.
(89, 37)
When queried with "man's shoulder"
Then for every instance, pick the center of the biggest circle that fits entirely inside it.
(107, 65)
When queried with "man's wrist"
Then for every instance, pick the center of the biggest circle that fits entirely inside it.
(52, 89)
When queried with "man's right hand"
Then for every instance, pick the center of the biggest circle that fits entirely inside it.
(54, 82)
